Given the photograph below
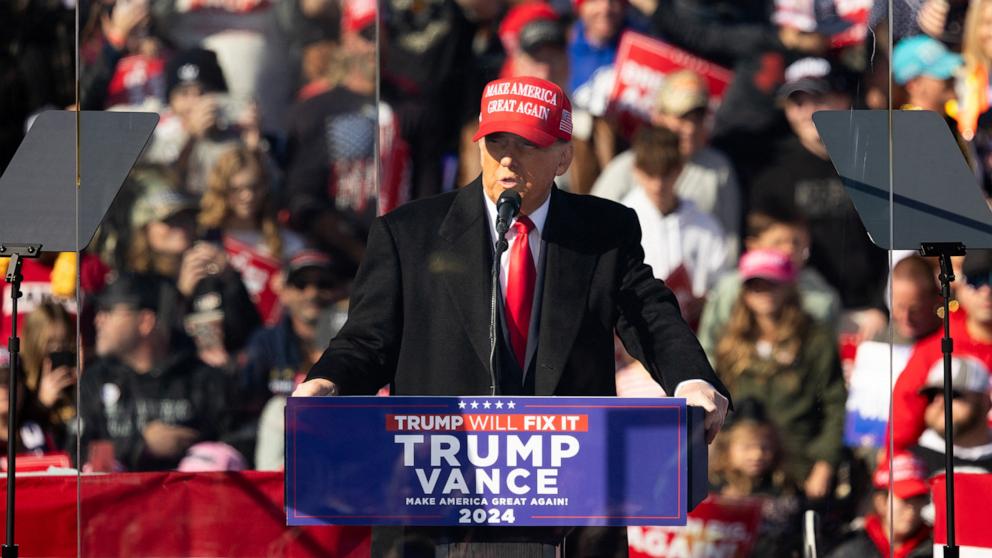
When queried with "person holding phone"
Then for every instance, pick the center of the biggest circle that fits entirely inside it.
(48, 357)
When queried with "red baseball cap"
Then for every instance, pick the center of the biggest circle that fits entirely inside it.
(909, 476)
(357, 14)
(532, 108)
(519, 17)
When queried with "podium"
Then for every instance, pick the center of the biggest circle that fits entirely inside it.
(486, 467)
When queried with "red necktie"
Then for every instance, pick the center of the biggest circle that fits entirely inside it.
(520, 288)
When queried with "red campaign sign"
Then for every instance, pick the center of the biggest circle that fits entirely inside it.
(717, 527)
(30, 463)
(257, 272)
(972, 494)
(856, 12)
(641, 66)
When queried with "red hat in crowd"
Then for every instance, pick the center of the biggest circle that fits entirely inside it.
(357, 15)
(909, 476)
(529, 107)
(519, 17)
(772, 265)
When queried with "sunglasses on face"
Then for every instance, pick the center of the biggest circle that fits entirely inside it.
(302, 282)
(979, 280)
(932, 394)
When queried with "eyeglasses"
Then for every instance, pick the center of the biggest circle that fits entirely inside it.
(979, 280)
(302, 282)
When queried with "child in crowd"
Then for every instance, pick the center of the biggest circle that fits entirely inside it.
(773, 351)
(774, 228)
(747, 460)
(903, 521)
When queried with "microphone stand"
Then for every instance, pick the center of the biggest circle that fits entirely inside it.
(16, 252)
(507, 207)
(943, 252)
(501, 246)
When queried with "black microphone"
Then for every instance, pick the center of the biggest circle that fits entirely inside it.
(507, 207)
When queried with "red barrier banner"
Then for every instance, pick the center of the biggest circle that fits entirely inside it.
(169, 514)
(641, 66)
(717, 527)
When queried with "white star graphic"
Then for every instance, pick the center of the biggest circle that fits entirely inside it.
(499, 404)
(487, 404)
(461, 404)
(510, 404)
(475, 405)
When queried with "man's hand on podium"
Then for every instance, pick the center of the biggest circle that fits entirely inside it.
(700, 393)
(316, 387)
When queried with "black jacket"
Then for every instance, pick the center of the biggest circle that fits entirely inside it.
(116, 403)
(419, 316)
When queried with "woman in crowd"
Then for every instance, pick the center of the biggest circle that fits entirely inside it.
(772, 351)
(33, 436)
(48, 357)
(236, 211)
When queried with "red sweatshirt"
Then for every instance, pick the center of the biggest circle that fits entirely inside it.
(908, 404)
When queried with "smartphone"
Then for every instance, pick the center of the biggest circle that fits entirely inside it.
(62, 358)
(954, 24)
(214, 236)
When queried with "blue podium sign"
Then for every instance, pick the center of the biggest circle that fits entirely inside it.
(520, 461)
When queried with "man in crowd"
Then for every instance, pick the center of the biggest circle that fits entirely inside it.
(969, 414)
(972, 338)
(926, 69)
(708, 179)
(147, 393)
(910, 535)
(684, 246)
(534, 39)
(573, 274)
(276, 355)
(801, 177)
(915, 299)
(333, 179)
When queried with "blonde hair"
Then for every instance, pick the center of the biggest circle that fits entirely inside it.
(971, 46)
(37, 325)
(214, 210)
(737, 349)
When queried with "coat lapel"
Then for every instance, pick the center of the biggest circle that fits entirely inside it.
(567, 274)
(465, 234)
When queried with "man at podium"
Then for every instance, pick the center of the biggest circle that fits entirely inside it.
(573, 274)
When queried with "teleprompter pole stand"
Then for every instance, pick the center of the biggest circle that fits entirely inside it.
(16, 253)
(943, 252)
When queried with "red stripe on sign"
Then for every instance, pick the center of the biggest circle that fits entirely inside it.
(485, 422)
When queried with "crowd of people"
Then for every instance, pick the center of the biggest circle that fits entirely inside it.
(286, 126)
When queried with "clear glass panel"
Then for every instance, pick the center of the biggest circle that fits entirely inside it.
(940, 64)
(37, 46)
(809, 411)
(222, 267)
